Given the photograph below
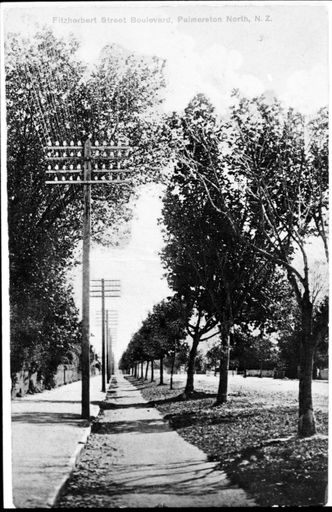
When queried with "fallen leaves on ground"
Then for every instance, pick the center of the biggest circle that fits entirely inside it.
(254, 440)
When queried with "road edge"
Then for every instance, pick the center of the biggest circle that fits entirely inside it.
(74, 459)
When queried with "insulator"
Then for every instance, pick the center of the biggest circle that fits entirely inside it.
(56, 153)
(96, 143)
(111, 154)
(64, 143)
(63, 178)
(79, 143)
(49, 143)
(56, 167)
(64, 153)
(71, 142)
(119, 153)
(103, 166)
(55, 178)
(64, 167)
(71, 167)
(79, 153)
(78, 166)
(112, 143)
(104, 154)
(119, 165)
(57, 143)
(97, 152)
(49, 167)
(70, 178)
(111, 166)
(72, 153)
(49, 153)
(104, 143)
(96, 166)
(95, 178)
(78, 178)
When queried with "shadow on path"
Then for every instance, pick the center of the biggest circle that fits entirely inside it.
(51, 417)
(180, 478)
(140, 405)
(124, 427)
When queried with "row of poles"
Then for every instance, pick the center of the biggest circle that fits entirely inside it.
(110, 337)
(93, 167)
(102, 288)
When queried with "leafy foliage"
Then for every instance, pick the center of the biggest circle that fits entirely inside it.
(160, 335)
(264, 171)
(49, 96)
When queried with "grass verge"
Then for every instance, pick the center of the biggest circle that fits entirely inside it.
(255, 444)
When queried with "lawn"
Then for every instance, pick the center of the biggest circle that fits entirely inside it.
(253, 435)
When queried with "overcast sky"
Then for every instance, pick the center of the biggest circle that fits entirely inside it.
(209, 47)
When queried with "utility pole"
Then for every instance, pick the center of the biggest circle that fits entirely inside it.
(107, 170)
(86, 282)
(111, 322)
(108, 357)
(104, 288)
(103, 386)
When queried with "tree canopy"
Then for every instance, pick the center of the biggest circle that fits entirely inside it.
(52, 96)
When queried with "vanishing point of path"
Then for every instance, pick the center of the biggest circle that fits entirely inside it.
(133, 459)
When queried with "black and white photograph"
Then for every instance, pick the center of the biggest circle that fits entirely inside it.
(165, 249)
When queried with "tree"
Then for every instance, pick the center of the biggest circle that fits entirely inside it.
(270, 153)
(231, 278)
(168, 319)
(160, 335)
(178, 257)
(49, 98)
(213, 356)
(283, 186)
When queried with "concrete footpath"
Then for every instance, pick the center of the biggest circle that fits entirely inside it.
(143, 463)
(47, 437)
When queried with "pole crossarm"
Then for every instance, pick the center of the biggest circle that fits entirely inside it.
(106, 296)
(109, 282)
(105, 288)
(95, 182)
(110, 164)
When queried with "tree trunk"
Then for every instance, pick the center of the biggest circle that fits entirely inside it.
(224, 367)
(142, 374)
(146, 370)
(172, 372)
(161, 379)
(189, 389)
(306, 424)
(152, 370)
(135, 371)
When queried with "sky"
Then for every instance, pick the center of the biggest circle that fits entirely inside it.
(209, 47)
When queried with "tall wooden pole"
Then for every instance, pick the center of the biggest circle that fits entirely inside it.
(111, 357)
(108, 349)
(86, 284)
(103, 363)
